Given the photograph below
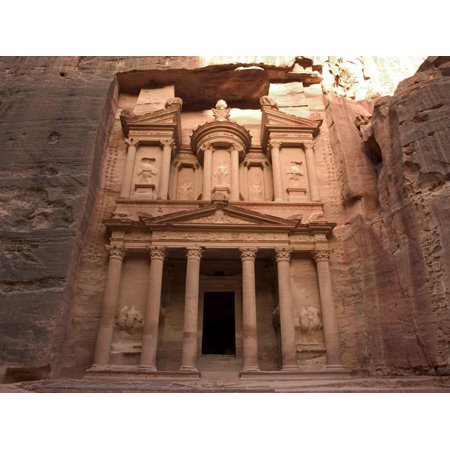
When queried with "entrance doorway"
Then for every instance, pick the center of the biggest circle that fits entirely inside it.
(219, 334)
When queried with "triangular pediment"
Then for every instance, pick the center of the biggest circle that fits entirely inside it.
(275, 117)
(219, 215)
(164, 119)
(274, 120)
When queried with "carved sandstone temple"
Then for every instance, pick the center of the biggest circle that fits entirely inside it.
(261, 220)
(218, 252)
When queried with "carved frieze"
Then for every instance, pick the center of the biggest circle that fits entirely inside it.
(208, 236)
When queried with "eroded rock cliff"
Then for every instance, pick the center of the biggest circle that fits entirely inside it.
(392, 271)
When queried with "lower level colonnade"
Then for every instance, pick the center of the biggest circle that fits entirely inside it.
(190, 351)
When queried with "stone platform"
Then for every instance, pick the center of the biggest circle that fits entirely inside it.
(104, 384)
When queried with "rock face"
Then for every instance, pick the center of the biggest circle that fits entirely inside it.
(384, 184)
(395, 308)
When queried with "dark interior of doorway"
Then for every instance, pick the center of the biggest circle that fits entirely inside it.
(218, 324)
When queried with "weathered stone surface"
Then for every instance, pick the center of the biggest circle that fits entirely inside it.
(63, 163)
(395, 249)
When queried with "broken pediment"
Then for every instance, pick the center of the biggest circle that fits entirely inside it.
(167, 119)
(275, 121)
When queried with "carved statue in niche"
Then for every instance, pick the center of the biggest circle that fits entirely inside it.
(310, 320)
(256, 187)
(185, 191)
(129, 320)
(147, 171)
(295, 172)
(221, 112)
(221, 174)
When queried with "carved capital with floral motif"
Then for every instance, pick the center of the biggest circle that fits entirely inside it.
(274, 144)
(157, 252)
(194, 253)
(248, 253)
(116, 251)
(283, 254)
(322, 255)
(167, 141)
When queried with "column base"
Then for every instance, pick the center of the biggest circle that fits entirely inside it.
(98, 368)
(146, 368)
(188, 369)
(336, 368)
(290, 368)
(250, 369)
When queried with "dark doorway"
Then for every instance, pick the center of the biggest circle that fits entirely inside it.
(218, 324)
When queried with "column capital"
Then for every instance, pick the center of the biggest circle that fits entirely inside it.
(248, 253)
(131, 141)
(194, 253)
(157, 252)
(309, 145)
(283, 254)
(205, 147)
(322, 255)
(274, 144)
(116, 251)
(167, 141)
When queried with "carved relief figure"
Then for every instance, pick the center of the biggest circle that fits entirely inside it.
(295, 171)
(310, 319)
(256, 188)
(221, 174)
(147, 171)
(221, 111)
(185, 191)
(129, 320)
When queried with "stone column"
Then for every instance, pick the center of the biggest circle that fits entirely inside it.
(207, 173)
(330, 329)
(250, 340)
(165, 169)
(287, 327)
(152, 311)
(234, 197)
(312, 175)
(125, 190)
(189, 356)
(276, 170)
(110, 298)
